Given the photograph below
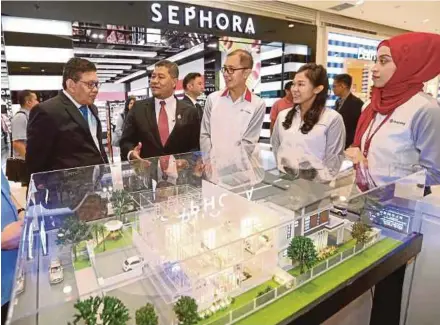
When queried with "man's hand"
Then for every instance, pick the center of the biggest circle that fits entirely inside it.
(11, 235)
(356, 156)
(136, 152)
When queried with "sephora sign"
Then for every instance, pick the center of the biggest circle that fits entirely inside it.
(172, 14)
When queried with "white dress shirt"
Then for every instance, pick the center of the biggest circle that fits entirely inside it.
(92, 122)
(324, 140)
(170, 108)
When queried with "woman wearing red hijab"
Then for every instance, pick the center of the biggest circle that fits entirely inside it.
(401, 125)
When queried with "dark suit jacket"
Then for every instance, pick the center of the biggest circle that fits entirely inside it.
(58, 137)
(188, 100)
(351, 111)
(141, 126)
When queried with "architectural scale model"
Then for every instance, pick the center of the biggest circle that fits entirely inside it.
(225, 252)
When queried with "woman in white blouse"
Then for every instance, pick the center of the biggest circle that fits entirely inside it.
(309, 132)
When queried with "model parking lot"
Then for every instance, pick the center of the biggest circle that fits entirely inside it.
(109, 264)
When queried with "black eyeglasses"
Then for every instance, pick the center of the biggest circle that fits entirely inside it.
(91, 84)
(230, 70)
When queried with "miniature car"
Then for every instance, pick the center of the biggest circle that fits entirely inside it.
(19, 285)
(56, 273)
(340, 211)
(132, 262)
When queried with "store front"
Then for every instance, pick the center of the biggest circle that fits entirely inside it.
(352, 53)
(126, 39)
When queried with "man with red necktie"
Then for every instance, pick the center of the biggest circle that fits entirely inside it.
(161, 125)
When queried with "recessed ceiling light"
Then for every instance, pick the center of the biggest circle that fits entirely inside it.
(142, 54)
(42, 70)
(94, 35)
(101, 36)
(291, 25)
(25, 68)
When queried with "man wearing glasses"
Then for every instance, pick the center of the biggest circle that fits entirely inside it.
(233, 117)
(65, 131)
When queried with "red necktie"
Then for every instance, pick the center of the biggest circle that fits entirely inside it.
(164, 130)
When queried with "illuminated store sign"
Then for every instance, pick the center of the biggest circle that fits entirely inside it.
(206, 18)
(366, 54)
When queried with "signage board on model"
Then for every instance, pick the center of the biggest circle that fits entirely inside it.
(200, 17)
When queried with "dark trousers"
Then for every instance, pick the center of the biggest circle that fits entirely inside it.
(5, 308)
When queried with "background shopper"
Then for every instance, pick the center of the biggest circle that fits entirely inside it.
(348, 105)
(281, 104)
(401, 125)
(309, 131)
(27, 100)
(121, 119)
(194, 86)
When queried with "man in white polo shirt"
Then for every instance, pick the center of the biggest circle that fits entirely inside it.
(233, 117)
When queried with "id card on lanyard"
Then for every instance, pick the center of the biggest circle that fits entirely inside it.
(370, 137)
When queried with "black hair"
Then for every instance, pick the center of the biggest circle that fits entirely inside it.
(345, 79)
(24, 96)
(317, 75)
(190, 77)
(288, 85)
(173, 68)
(127, 102)
(74, 68)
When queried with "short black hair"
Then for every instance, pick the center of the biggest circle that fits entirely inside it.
(24, 96)
(190, 77)
(288, 85)
(172, 67)
(246, 59)
(75, 67)
(344, 78)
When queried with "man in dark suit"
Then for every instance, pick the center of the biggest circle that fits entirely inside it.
(65, 131)
(161, 125)
(194, 87)
(348, 105)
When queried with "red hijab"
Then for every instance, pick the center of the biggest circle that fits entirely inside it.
(417, 60)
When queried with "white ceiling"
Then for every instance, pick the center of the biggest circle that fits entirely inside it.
(421, 16)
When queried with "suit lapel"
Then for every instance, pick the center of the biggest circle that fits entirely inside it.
(179, 118)
(150, 115)
(75, 113)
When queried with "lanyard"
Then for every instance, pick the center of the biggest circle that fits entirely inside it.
(369, 138)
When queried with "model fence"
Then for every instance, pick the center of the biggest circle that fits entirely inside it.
(269, 297)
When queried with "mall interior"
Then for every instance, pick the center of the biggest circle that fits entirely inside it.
(125, 39)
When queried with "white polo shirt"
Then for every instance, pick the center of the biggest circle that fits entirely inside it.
(410, 137)
(227, 125)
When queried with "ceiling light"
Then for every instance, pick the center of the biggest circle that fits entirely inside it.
(142, 54)
(110, 75)
(38, 54)
(42, 70)
(94, 35)
(25, 68)
(101, 36)
(425, 20)
(291, 25)
(212, 45)
(120, 61)
(104, 66)
(110, 71)
(131, 76)
(183, 54)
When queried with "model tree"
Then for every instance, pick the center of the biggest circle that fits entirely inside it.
(113, 312)
(146, 315)
(186, 311)
(99, 230)
(120, 200)
(87, 311)
(360, 232)
(302, 250)
(72, 232)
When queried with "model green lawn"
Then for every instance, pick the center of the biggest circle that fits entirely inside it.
(350, 244)
(240, 300)
(306, 294)
(124, 240)
(82, 262)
